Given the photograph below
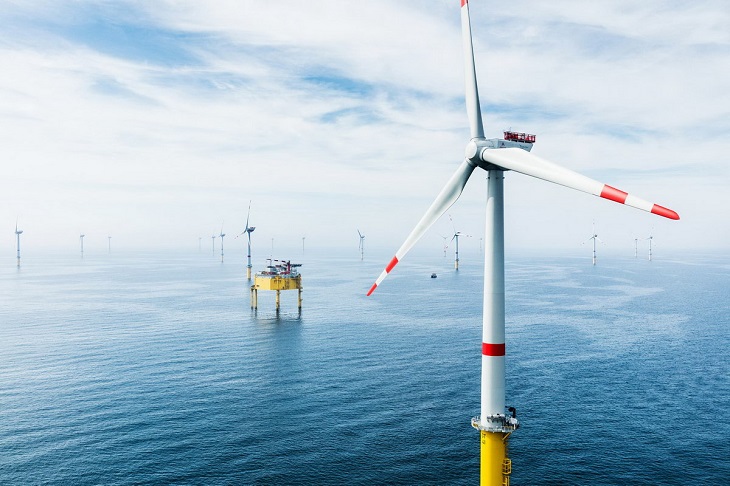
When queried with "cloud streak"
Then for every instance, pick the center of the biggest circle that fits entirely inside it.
(165, 118)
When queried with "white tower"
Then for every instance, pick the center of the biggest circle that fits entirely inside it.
(17, 236)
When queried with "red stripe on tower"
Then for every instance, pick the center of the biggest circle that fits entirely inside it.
(492, 349)
(662, 211)
(613, 194)
(464, 2)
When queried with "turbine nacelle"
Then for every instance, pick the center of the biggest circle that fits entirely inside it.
(476, 146)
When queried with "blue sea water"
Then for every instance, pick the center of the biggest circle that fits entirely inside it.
(153, 369)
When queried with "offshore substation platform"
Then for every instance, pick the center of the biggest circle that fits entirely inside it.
(279, 275)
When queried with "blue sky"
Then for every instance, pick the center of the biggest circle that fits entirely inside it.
(156, 122)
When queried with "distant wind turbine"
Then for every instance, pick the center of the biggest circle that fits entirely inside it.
(247, 232)
(222, 235)
(446, 244)
(82, 244)
(650, 238)
(303, 237)
(636, 248)
(593, 237)
(456, 237)
(110, 243)
(17, 236)
(213, 238)
(361, 247)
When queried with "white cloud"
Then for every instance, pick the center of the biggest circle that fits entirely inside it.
(157, 121)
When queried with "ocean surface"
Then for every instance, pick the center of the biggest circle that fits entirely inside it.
(151, 368)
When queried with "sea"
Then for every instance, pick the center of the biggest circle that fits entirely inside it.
(146, 368)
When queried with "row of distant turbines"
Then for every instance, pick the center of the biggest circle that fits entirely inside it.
(594, 237)
(19, 232)
(247, 231)
(81, 240)
(455, 238)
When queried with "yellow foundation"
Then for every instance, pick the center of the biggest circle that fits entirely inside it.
(495, 466)
(277, 284)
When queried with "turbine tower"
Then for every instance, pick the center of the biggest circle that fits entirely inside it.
(222, 235)
(497, 156)
(650, 238)
(213, 238)
(17, 236)
(82, 245)
(361, 247)
(636, 248)
(456, 237)
(247, 232)
(594, 237)
(303, 238)
(110, 243)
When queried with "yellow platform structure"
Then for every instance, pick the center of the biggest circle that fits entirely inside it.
(277, 277)
(495, 465)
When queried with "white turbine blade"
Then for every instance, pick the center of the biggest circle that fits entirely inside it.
(526, 163)
(473, 110)
(448, 196)
(248, 215)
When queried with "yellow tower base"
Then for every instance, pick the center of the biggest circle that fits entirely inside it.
(495, 467)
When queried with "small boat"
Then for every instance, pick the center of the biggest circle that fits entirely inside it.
(433, 275)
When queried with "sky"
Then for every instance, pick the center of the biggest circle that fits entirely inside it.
(159, 122)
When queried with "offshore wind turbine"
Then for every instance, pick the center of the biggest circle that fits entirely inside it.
(650, 238)
(497, 156)
(594, 237)
(213, 238)
(456, 237)
(361, 246)
(222, 235)
(446, 244)
(17, 236)
(636, 248)
(82, 244)
(110, 243)
(247, 232)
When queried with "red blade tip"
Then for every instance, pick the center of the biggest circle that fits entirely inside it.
(666, 212)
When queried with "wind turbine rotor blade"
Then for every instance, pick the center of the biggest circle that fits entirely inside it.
(526, 163)
(446, 198)
(248, 214)
(473, 110)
